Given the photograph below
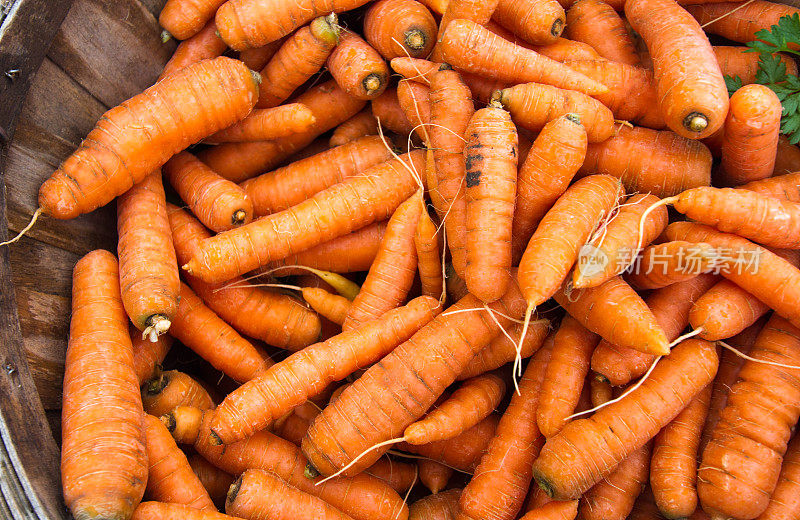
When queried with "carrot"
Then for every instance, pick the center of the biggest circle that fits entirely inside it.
(400, 28)
(330, 306)
(613, 497)
(148, 269)
(260, 495)
(440, 506)
(565, 228)
(121, 150)
(615, 249)
(472, 48)
(569, 465)
(787, 159)
(597, 24)
(294, 427)
(240, 161)
(173, 388)
(673, 471)
(434, 475)
(553, 160)
(389, 114)
(742, 63)
(267, 123)
(539, 22)
(660, 163)
(358, 68)
(100, 479)
(429, 259)
(285, 187)
(672, 262)
(490, 156)
(784, 186)
(257, 58)
(451, 111)
(742, 460)
(502, 350)
(671, 309)
(738, 22)
(301, 56)
(392, 273)
(645, 508)
(566, 510)
(204, 45)
(265, 451)
(336, 211)
(471, 10)
(421, 368)
(498, 487)
(183, 18)
(147, 356)
(214, 480)
(165, 511)
(244, 24)
(605, 308)
(217, 202)
(415, 69)
(360, 125)
(255, 405)
(533, 105)
(565, 375)
(413, 99)
(399, 475)
(472, 402)
(784, 502)
(563, 49)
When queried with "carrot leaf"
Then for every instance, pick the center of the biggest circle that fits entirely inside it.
(783, 37)
(733, 83)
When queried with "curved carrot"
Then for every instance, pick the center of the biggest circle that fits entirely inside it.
(502, 350)
(183, 18)
(434, 475)
(742, 63)
(166, 511)
(597, 24)
(100, 478)
(389, 114)
(162, 394)
(358, 68)
(360, 125)
(400, 28)
(413, 99)
(399, 475)
(147, 266)
(783, 186)
(566, 510)
(204, 45)
(672, 262)
(540, 22)
(214, 480)
(330, 306)
(267, 123)
(784, 502)
(738, 22)
(147, 355)
(120, 151)
(440, 506)
(429, 259)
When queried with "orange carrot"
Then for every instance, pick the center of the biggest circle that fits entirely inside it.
(285, 187)
(738, 22)
(533, 105)
(429, 259)
(784, 186)
(503, 350)
(742, 460)
(471, 10)
(147, 266)
(566, 510)
(173, 388)
(563, 49)
(268, 123)
(399, 475)
(434, 475)
(660, 163)
(673, 471)
(204, 45)
(294, 426)
(490, 156)
(213, 479)
(440, 506)
(121, 149)
(147, 356)
(183, 19)
(100, 478)
(597, 24)
(740, 62)
(389, 279)
(400, 28)
(725, 310)
(387, 110)
(645, 508)
(415, 69)
(413, 99)
(555, 157)
(360, 125)
(255, 405)
(358, 68)
(218, 203)
(672, 262)
(301, 56)
(257, 58)
(569, 463)
(539, 22)
(565, 375)
(788, 158)
(613, 497)
(165, 511)
(456, 286)
(784, 501)
(330, 306)
(472, 48)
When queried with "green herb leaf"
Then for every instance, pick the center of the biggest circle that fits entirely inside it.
(770, 69)
(779, 37)
(733, 83)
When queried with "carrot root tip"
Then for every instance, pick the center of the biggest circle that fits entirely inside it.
(238, 217)
(372, 83)
(695, 122)
(158, 325)
(256, 77)
(415, 39)
(215, 439)
(545, 485)
(233, 491)
(575, 118)
(600, 377)
(169, 421)
(157, 385)
(310, 472)
(166, 36)
(557, 28)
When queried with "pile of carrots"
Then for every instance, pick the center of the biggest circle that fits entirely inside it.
(427, 244)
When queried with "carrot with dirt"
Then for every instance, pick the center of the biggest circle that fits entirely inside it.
(400, 28)
(785, 186)
(265, 451)
(358, 68)
(469, 47)
(389, 114)
(434, 475)
(100, 478)
(301, 56)
(472, 402)
(569, 465)
(256, 404)
(672, 262)
(399, 475)
(490, 158)
(166, 511)
(149, 277)
(147, 355)
(539, 22)
(204, 45)
(184, 18)
(292, 184)
(169, 389)
(345, 207)
(440, 506)
(673, 469)
(429, 258)
(360, 125)
(392, 273)
(742, 62)
(784, 504)
(741, 462)
(557, 510)
(657, 162)
(120, 152)
(413, 99)
(739, 22)
(214, 480)
(554, 158)
(564, 379)
(330, 306)
(266, 124)
(596, 23)
(217, 202)
(503, 349)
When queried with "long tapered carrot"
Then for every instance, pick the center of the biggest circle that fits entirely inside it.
(283, 188)
(400, 28)
(613, 497)
(672, 262)
(268, 452)
(441, 506)
(331, 306)
(267, 123)
(167, 511)
(500, 483)
(472, 48)
(742, 460)
(121, 150)
(148, 355)
(256, 404)
(784, 503)
(462, 452)
(649, 161)
(691, 91)
(738, 22)
(413, 99)
(540, 22)
(173, 388)
(597, 24)
(147, 266)
(429, 258)
(358, 68)
(183, 19)
(360, 125)
(566, 372)
(204, 45)
(569, 465)
(100, 479)
(216, 481)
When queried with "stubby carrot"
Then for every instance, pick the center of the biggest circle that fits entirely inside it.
(540, 22)
(597, 24)
(742, 63)
(167, 511)
(358, 68)
(183, 19)
(122, 150)
(360, 125)
(216, 481)
(441, 506)
(173, 388)
(738, 22)
(148, 355)
(502, 349)
(434, 475)
(400, 28)
(672, 262)
(100, 479)
(204, 45)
